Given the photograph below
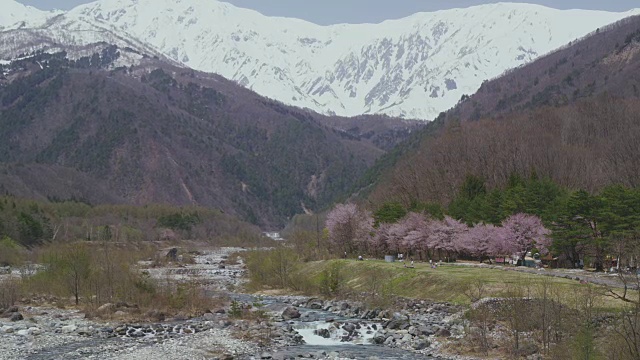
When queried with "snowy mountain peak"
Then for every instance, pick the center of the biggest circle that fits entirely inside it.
(413, 67)
(13, 13)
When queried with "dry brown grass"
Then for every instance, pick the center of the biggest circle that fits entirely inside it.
(10, 292)
(110, 275)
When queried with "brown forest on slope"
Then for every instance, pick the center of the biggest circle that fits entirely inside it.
(587, 145)
(571, 115)
(155, 133)
(606, 61)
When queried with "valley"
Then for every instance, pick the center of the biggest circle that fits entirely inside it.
(192, 179)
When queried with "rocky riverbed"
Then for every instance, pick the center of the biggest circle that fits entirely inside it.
(417, 330)
(284, 327)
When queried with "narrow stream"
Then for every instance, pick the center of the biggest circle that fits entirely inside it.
(335, 334)
(326, 334)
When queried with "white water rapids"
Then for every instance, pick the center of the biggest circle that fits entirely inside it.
(338, 336)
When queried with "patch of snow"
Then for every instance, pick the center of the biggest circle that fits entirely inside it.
(405, 67)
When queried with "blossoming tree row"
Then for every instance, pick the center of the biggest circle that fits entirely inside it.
(352, 230)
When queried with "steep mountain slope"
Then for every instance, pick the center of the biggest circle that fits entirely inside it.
(159, 133)
(414, 67)
(605, 62)
(571, 116)
(14, 14)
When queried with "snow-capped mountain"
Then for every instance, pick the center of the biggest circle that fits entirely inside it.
(413, 67)
(13, 14)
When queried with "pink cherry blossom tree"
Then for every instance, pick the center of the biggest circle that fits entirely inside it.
(523, 233)
(446, 236)
(475, 242)
(407, 225)
(349, 228)
(379, 242)
(484, 241)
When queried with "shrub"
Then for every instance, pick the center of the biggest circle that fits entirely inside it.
(332, 279)
(11, 253)
(273, 268)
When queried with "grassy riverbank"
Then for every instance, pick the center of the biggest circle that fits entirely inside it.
(377, 280)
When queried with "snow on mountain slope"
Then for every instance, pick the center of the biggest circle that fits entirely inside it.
(78, 36)
(414, 67)
(13, 14)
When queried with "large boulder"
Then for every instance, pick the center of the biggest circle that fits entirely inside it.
(349, 327)
(315, 304)
(398, 321)
(16, 316)
(325, 333)
(290, 313)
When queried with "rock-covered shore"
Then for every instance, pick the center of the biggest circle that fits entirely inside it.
(418, 327)
(414, 330)
(46, 333)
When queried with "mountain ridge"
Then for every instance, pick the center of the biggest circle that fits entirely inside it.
(414, 67)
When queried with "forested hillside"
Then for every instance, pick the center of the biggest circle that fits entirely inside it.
(571, 117)
(156, 133)
(28, 224)
(605, 62)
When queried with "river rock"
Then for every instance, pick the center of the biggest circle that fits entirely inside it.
(379, 339)
(398, 321)
(442, 332)
(107, 308)
(389, 341)
(325, 333)
(426, 330)
(349, 327)
(7, 329)
(421, 345)
(120, 330)
(16, 316)
(412, 331)
(290, 313)
(85, 331)
(315, 304)
(69, 328)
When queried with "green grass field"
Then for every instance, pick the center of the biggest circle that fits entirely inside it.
(447, 283)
